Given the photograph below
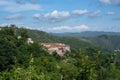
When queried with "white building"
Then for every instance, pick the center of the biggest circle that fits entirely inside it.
(60, 48)
(29, 40)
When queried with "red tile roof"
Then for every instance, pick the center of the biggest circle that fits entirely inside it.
(53, 45)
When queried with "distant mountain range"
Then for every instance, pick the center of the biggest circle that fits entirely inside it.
(42, 36)
(109, 40)
(87, 34)
(104, 40)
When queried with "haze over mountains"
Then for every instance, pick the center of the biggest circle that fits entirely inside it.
(108, 40)
(87, 33)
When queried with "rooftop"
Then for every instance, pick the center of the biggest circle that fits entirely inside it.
(54, 45)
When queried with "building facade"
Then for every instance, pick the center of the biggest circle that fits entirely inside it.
(60, 48)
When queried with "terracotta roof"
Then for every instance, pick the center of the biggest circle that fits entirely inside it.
(53, 45)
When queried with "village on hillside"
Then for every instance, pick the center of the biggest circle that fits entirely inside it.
(59, 48)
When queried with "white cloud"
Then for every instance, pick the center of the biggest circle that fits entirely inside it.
(80, 12)
(105, 1)
(57, 15)
(111, 2)
(14, 7)
(95, 13)
(4, 24)
(15, 16)
(81, 27)
(3, 2)
(60, 28)
(110, 13)
(24, 7)
(37, 16)
(69, 28)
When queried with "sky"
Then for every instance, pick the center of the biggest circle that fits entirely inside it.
(59, 16)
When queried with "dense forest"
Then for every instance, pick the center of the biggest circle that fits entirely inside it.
(22, 61)
(107, 40)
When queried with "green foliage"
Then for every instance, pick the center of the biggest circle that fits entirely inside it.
(68, 71)
(12, 47)
(107, 40)
(41, 36)
(22, 61)
(7, 51)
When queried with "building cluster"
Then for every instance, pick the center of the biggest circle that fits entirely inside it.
(59, 48)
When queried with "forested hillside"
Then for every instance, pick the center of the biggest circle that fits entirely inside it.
(20, 60)
(108, 40)
(41, 36)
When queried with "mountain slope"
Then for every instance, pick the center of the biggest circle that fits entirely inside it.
(109, 40)
(41, 36)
